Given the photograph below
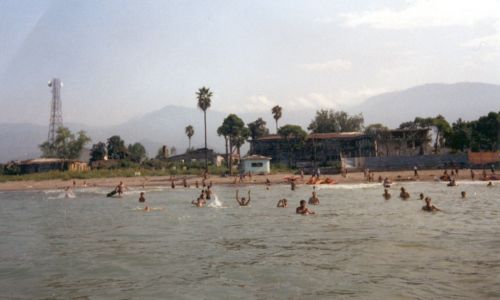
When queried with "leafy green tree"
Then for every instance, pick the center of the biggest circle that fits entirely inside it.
(335, 121)
(189, 132)
(443, 131)
(277, 113)
(136, 152)
(258, 128)
(116, 148)
(234, 128)
(204, 96)
(98, 151)
(459, 138)
(486, 132)
(224, 132)
(66, 145)
(295, 138)
(375, 129)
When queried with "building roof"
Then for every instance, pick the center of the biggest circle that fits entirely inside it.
(256, 157)
(319, 136)
(335, 135)
(38, 161)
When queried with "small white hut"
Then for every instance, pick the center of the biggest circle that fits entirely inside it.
(256, 164)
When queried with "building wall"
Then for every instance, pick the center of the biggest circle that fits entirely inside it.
(319, 150)
(256, 166)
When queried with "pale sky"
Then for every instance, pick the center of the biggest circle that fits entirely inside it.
(120, 59)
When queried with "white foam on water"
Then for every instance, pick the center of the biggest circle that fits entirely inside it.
(347, 186)
(215, 202)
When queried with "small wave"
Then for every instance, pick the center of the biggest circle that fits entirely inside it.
(214, 203)
(348, 186)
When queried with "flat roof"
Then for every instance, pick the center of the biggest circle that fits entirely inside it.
(256, 157)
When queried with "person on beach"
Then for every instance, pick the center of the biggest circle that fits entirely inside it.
(386, 194)
(243, 201)
(282, 203)
(196, 184)
(415, 171)
(428, 206)
(404, 194)
(142, 199)
(292, 185)
(314, 200)
(463, 194)
(172, 184)
(472, 174)
(303, 210)
(184, 182)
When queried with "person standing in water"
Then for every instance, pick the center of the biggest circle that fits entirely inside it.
(303, 210)
(243, 201)
(428, 206)
(142, 199)
(120, 188)
(314, 200)
(386, 194)
(404, 194)
(463, 194)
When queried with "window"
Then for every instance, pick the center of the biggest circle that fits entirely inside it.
(257, 165)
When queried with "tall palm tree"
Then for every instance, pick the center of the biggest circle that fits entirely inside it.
(189, 133)
(204, 96)
(276, 115)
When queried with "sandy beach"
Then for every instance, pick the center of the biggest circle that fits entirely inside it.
(280, 178)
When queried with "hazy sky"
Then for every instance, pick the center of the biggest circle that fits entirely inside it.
(120, 59)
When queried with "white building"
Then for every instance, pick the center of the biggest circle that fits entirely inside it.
(256, 164)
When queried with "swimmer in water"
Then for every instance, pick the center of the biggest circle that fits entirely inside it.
(452, 182)
(243, 201)
(490, 184)
(292, 185)
(282, 203)
(428, 206)
(200, 202)
(147, 208)
(303, 210)
(421, 196)
(172, 184)
(142, 199)
(404, 194)
(314, 200)
(463, 194)
(208, 193)
(386, 194)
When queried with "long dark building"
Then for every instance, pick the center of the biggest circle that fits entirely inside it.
(321, 148)
(328, 148)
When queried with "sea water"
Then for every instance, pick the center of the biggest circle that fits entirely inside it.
(357, 246)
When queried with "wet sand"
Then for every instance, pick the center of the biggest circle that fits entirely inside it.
(280, 178)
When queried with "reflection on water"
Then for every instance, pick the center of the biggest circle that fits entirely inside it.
(358, 246)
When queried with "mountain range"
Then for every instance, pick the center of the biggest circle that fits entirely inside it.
(166, 126)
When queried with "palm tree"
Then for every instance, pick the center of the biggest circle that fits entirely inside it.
(276, 115)
(203, 95)
(189, 133)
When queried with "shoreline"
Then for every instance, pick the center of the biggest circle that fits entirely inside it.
(279, 178)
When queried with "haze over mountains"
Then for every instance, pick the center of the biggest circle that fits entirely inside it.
(166, 126)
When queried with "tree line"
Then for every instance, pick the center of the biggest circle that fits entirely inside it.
(478, 135)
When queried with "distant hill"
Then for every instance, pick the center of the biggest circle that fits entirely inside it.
(460, 100)
(166, 126)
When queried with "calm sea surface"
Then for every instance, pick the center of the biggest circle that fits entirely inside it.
(358, 246)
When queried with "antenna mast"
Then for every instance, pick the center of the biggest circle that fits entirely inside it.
(56, 120)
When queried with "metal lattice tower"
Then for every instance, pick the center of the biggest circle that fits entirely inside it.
(56, 120)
